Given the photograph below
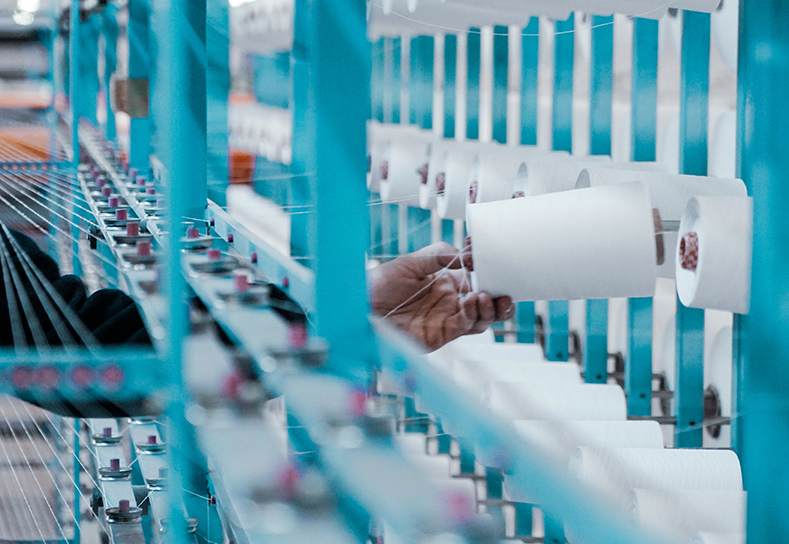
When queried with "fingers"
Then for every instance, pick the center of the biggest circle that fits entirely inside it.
(481, 311)
(505, 308)
(433, 258)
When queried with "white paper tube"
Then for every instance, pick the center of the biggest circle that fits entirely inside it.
(493, 174)
(428, 194)
(716, 273)
(379, 135)
(497, 352)
(585, 244)
(614, 471)
(411, 444)
(719, 538)
(542, 175)
(681, 514)
(435, 466)
(475, 376)
(557, 440)
(451, 181)
(546, 401)
(668, 193)
(404, 162)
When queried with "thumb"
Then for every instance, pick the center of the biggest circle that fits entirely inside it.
(434, 258)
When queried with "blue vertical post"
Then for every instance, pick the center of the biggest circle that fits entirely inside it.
(73, 74)
(500, 77)
(341, 73)
(763, 406)
(638, 370)
(450, 71)
(217, 89)
(181, 130)
(109, 19)
(530, 61)
(600, 109)
(377, 80)
(420, 100)
(473, 52)
(389, 212)
(694, 113)
(139, 67)
(556, 334)
(89, 68)
(304, 138)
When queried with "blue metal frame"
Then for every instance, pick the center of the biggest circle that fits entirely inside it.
(500, 78)
(557, 338)
(341, 70)
(109, 21)
(694, 114)
(218, 89)
(138, 30)
(530, 61)
(762, 376)
(638, 367)
(420, 101)
(595, 353)
(473, 52)
(450, 71)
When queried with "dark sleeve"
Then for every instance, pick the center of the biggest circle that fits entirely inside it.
(110, 314)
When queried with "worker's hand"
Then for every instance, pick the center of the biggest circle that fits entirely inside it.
(427, 294)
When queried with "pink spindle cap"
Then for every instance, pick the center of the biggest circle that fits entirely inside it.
(106, 432)
(106, 191)
(123, 506)
(214, 254)
(193, 233)
(132, 229)
(242, 282)
(143, 248)
(115, 464)
(113, 202)
(122, 214)
(689, 251)
(152, 439)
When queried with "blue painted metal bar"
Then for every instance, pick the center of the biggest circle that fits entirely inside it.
(500, 78)
(181, 133)
(304, 137)
(556, 330)
(109, 19)
(450, 71)
(89, 68)
(139, 68)
(762, 408)
(595, 351)
(694, 114)
(530, 60)
(396, 78)
(272, 78)
(377, 80)
(473, 52)
(217, 89)
(638, 368)
(73, 74)
(420, 100)
(341, 70)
